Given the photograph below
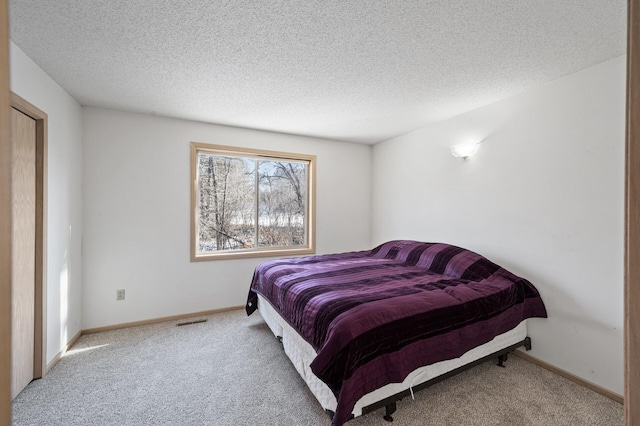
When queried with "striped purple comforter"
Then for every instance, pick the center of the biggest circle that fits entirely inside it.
(375, 316)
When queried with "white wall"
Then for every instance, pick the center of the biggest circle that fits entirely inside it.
(543, 197)
(64, 258)
(136, 214)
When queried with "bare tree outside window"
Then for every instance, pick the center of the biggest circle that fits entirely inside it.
(227, 189)
(250, 203)
(282, 203)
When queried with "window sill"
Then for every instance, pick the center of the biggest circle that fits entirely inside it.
(253, 253)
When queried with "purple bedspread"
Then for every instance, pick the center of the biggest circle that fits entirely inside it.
(374, 316)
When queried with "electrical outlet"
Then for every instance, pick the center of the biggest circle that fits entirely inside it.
(120, 294)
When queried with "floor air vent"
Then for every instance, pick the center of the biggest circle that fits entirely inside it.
(197, 321)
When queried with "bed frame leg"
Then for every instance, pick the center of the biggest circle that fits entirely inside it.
(502, 359)
(389, 410)
(527, 343)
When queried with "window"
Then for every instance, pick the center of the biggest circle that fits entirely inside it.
(249, 203)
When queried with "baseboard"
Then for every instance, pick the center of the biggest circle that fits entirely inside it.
(599, 389)
(162, 319)
(66, 347)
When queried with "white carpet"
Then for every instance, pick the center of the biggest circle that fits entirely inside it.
(231, 370)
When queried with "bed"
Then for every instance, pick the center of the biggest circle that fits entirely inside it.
(363, 328)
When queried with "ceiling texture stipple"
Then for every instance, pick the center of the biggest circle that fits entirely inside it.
(360, 71)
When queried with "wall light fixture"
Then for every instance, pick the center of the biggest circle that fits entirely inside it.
(465, 150)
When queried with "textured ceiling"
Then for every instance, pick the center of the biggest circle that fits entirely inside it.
(361, 71)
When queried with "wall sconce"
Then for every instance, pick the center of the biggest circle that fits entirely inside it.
(465, 150)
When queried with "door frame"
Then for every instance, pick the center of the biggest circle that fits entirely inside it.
(40, 313)
(5, 222)
(632, 222)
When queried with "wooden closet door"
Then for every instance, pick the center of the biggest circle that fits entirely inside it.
(23, 139)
